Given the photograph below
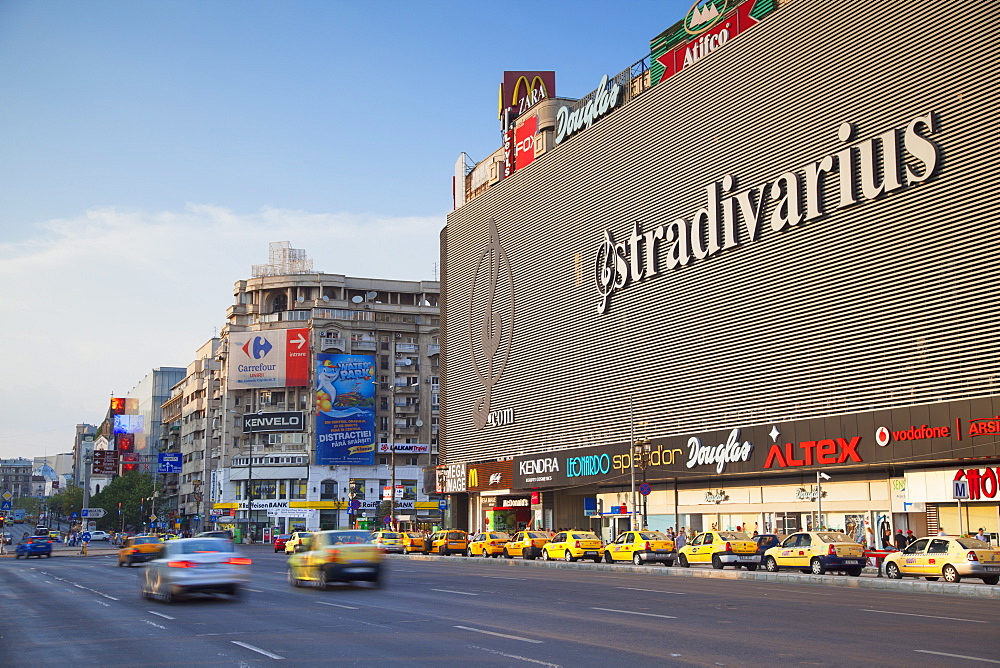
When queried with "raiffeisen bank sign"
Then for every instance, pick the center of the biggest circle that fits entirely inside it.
(731, 216)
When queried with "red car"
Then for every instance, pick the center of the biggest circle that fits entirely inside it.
(279, 541)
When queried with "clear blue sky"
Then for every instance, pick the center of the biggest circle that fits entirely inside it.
(150, 150)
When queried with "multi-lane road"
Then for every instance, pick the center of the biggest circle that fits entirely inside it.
(86, 611)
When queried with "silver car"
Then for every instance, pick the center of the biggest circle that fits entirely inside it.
(195, 565)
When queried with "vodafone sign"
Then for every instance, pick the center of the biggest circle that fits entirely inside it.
(278, 358)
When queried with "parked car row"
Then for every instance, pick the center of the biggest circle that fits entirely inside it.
(814, 552)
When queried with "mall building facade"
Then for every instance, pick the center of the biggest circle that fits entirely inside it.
(764, 257)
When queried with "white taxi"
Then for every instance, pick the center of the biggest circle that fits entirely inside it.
(950, 557)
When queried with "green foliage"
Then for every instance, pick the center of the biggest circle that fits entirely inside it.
(64, 504)
(133, 490)
(384, 510)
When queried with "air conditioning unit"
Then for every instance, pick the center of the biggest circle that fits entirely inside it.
(371, 333)
(427, 380)
(398, 335)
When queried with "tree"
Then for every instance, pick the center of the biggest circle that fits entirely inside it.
(133, 490)
(64, 504)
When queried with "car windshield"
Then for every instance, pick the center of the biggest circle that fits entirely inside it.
(349, 537)
(652, 535)
(973, 544)
(834, 537)
(582, 536)
(202, 545)
(454, 535)
(537, 534)
(143, 540)
(414, 534)
(498, 536)
(389, 534)
(38, 539)
(733, 535)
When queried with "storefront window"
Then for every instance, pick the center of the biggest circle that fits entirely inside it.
(282, 489)
(298, 489)
(357, 488)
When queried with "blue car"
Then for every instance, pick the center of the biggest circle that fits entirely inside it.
(35, 546)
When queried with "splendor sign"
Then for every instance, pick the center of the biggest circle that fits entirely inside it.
(797, 197)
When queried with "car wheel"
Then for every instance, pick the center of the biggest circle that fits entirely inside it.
(855, 571)
(717, 562)
(568, 557)
(506, 554)
(891, 572)
(607, 558)
(950, 574)
(546, 556)
(816, 567)
(17, 555)
(468, 553)
(682, 561)
(292, 580)
(120, 563)
(48, 556)
(322, 581)
(991, 579)
(668, 562)
(236, 592)
(751, 567)
(737, 566)
(637, 559)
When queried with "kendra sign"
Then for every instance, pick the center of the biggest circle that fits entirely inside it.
(731, 217)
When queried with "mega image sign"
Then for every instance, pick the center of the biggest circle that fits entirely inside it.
(278, 358)
(345, 409)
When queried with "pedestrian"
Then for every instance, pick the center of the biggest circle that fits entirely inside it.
(942, 532)
(900, 539)
(681, 539)
(887, 539)
(910, 537)
(981, 535)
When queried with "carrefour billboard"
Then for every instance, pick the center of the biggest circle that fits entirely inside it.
(278, 358)
(345, 409)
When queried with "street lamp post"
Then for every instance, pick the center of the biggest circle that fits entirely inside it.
(819, 499)
(641, 451)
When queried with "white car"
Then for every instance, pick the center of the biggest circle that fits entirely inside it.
(194, 565)
(99, 535)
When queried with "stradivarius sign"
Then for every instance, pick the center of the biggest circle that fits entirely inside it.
(731, 217)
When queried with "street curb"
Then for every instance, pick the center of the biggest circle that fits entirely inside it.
(963, 589)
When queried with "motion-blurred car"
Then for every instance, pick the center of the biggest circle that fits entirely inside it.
(388, 541)
(34, 546)
(720, 548)
(7, 538)
(99, 535)
(449, 541)
(297, 539)
(413, 541)
(950, 557)
(336, 556)
(279, 541)
(54, 536)
(817, 552)
(139, 549)
(641, 547)
(195, 565)
(221, 533)
(573, 545)
(487, 544)
(526, 544)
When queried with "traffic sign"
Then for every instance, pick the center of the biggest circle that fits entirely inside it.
(93, 513)
(6, 505)
(960, 489)
(85, 537)
(355, 504)
(387, 520)
(443, 504)
(73, 516)
(152, 518)
(7, 496)
(645, 488)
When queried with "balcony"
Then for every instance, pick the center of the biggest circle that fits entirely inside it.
(332, 343)
(364, 345)
(407, 348)
(407, 409)
(434, 349)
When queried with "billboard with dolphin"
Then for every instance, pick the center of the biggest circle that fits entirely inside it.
(345, 409)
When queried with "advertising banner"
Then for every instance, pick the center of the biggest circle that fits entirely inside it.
(277, 421)
(276, 358)
(490, 476)
(524, 143)
(408, 448)
(345, 409)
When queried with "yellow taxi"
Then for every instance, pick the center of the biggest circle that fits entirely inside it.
(335, 556)
(526, 544)
(720, 548)
(817, 552)
(449, 541)
(487, 544)
(413, 541)
(138, 549)
(950, 557)
(388, 541)
(298, 538)
(573, 545)
(641, 547)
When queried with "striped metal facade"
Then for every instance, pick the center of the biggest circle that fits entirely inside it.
(890, 302)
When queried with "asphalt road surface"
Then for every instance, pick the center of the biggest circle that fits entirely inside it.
(87, 612)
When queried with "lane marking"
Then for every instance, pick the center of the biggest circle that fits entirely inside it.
(956, 656)
(257, 591)
(337, 605)
(500, 635)
(155, 624)
(256, 649)
(106, 605)
(451, 591)
(160, 614)
(632, 612)
(658, 591)
(910, 614)
(514, 656)
(797, 591)
(501, 577)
